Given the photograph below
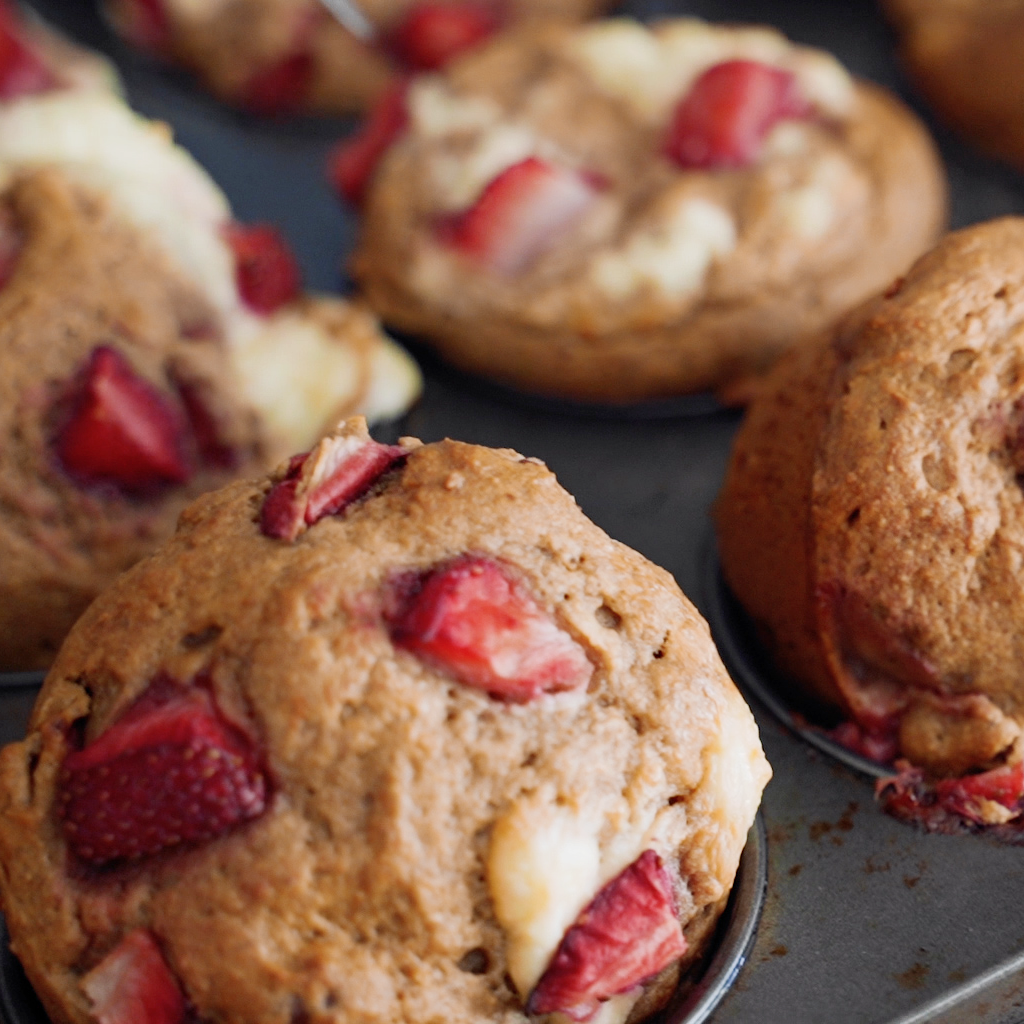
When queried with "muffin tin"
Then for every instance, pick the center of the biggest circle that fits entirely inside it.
(866, 920)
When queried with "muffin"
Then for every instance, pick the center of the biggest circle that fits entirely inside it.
(439, 748)
(614, 213)
(871, 523)
(965, 57)
(282, 56)
(151, 348)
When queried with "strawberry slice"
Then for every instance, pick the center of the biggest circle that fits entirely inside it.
(472, 619)
(323, 482)
(431, 34)
(521, 213)
(122, 430)
(626, 935)
(132, 984)
(22, 71)
(213, 451)
(731, 108)
(145, 24)
(968, 795)
(170, 770)
(266, 272)
(352, 163)
(279, 88)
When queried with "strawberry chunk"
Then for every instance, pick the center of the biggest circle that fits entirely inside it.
(323, 482)
(279, 88)
(266, 272)
(213, 450)
(132, 984)
(626, 935)
(352, 163)
(145, 24)
(431, 34)
(170, 770)
(122, 430)
(521, 213)
(968, 795)
(22, 71)
(878, 746)
(472, 619)
(731, 108)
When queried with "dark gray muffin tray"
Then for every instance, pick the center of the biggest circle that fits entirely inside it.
(866, 920)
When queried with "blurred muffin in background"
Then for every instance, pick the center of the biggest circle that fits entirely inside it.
(151, 347)
(284, 56)
(615, 213)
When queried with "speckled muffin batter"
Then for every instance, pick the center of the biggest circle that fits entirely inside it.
(614, 213)
(965, 57)
(878, 481)
(278, 56)
(483, 756)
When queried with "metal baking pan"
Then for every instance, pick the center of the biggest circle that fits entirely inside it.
(866, 920)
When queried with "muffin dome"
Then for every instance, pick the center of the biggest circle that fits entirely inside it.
(474, 758)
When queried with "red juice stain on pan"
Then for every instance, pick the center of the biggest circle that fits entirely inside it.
(694, 1002)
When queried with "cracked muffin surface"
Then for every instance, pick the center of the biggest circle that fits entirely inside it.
(883, 470)
(614, 212)
(461, 730)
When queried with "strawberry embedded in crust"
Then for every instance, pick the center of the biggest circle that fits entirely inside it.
(323, 482)
(626, 935)
(170, 770)
(132, 984)
(724, 118)
(472, 619)
(22, 71)
(989, 799)
(520, 214)
(122, 430)
(352, 163)
(145, 24)
(431, 34)
(279, 88)
(266, 272)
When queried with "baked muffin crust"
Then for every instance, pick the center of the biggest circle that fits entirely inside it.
(424, 840)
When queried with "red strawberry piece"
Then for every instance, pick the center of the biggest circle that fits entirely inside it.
(352, 163)
(146, 24)
(729, 111)
(266, 272)
(279, 88)
(966, 795)
(323, 482)
(475, 621)
(22, 71)
(520, 213)
(431, 34)
(205, 430)
(878, 746)
(132, 984)
(122, 430)
(626, 935)
(170, 770)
